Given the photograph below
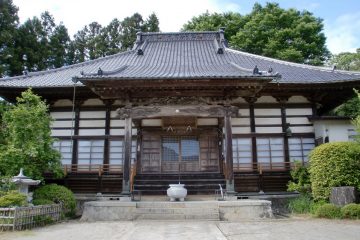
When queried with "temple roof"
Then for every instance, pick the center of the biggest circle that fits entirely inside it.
(184, 55)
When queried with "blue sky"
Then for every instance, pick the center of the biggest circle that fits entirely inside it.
(341, 17)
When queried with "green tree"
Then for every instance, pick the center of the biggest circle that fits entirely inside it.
(59, 46)
(9, 21)
(152, 23)
(28, 139)
(271, 31)
(130, 26)
(356, 121)
(212, 22)
(346, 61)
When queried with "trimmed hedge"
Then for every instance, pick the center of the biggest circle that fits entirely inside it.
(57, 194)
(328, 211)
(351, 211)
(12, 199)
(40, 201)
(333, 165)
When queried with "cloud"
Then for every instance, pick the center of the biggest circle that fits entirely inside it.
(75, 14)
(343, 34)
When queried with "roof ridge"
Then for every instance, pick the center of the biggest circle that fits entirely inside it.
(302, 65)
(32, 74)
(179, 33)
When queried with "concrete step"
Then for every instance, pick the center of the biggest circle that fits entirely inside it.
(157, 216)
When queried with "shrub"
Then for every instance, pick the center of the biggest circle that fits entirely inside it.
(301, 204)
(12, 199)
(57, 194)
(333, 165)
(40, 201)
(315, 206)
(300, 179)
(328, 211)
(351, 211)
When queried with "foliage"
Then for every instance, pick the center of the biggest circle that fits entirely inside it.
(12, 199)
(6, 184)
(328, 211)
(332, 165)
(57, 194)
(301, 204)
(346, 61)
(41, 201)
(213, 22)
(28, 139)
(300, 179)
(351, 211)
(356, 121)
(270, 31)
(4, 106)
(9, 21)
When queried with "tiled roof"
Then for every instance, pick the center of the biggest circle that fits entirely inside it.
(186, 55)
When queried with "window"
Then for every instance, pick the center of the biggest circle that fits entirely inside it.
(185, 148)
(116, 152)
(91, 152)
(299, 148)
(242, 153)
(270, 152)
(65, 148)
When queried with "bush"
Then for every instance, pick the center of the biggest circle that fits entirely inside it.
(40, 201)
(300, 179)
(351, 211)
(301, 204)
(333, 165)
(315, 206)
(57, 194)
(12, 199)
(328, 211)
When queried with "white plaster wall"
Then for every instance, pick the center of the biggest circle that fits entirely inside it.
(298, 120)
(61, 124)
(298, 99)
(267, 121)
(240, 121)
(207, 122)
(267, 112)
(266, 99)
(63, 103)
(337, 130)
(298, 111)
(93, 102)
(244, 112)
(61, 115)
(268, 130)
(240, 130)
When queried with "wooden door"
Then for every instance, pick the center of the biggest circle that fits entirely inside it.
(209, 153)
(150, 153)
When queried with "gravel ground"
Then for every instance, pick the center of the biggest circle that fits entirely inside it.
(279, 229)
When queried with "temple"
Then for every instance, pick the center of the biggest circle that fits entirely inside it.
(185, 107)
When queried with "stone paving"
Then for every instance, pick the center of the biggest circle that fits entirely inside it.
(279, 229)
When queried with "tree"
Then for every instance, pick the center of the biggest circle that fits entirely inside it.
(346, 61)
(130, 26)
(152, 23)
(9, 21)
(28, 139)
(350, 62)
(213, 22)
(356, 121)
(271, 31)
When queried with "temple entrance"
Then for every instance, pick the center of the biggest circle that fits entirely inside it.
(180, 153)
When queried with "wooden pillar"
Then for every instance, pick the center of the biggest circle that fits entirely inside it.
(251, 101)
(108, 104)
(127, 156)
(284, 126)
(229, 154)
(76, 125)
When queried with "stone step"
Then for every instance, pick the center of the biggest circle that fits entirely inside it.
(154, 216)
(180, 205)
(184, 211)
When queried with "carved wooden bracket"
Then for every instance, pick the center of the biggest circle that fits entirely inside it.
(177, 111)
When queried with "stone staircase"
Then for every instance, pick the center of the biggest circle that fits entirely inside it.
(195, 183)
(177, 211)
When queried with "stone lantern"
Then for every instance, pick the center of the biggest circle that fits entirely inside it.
(23, 182)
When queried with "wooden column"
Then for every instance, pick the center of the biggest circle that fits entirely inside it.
(108, 104)
(284, 125)
(76, 125)
(229, 154)
(127, 156)
(251, 101)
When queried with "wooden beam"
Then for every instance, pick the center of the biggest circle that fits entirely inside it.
(176, 111)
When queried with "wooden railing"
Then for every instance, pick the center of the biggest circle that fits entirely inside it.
(100, 169)
(264, 167)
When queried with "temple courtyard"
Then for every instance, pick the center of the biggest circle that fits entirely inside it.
(286, 228)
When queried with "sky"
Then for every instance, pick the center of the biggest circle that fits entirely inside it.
(341, 17)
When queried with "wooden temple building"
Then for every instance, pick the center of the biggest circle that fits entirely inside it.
(183, 107)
